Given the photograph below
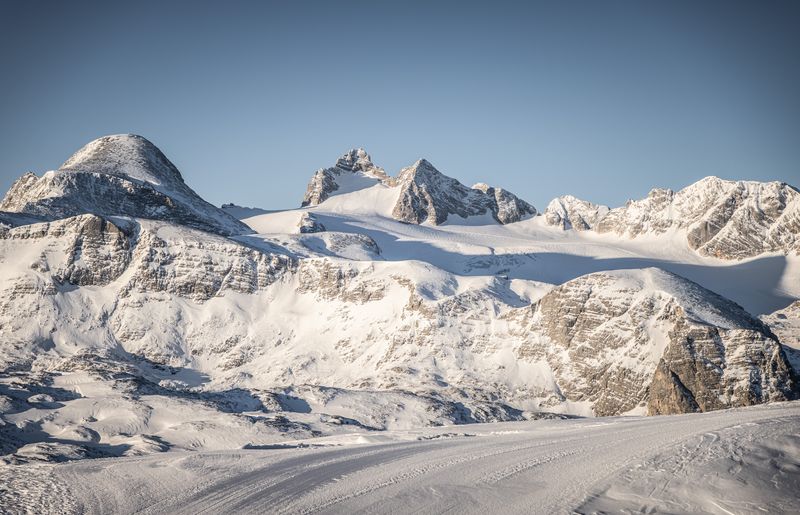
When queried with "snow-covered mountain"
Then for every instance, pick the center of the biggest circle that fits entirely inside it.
(420, 193)
(117, 175)
(724, 219)
(128, 328)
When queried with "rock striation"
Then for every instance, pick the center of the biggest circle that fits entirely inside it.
(623, 338)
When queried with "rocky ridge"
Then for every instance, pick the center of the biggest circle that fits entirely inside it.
(424, 194)
(723, 219)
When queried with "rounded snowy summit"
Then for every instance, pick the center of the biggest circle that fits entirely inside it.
(128, 155)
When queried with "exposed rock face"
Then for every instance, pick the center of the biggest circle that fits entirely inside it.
(309, 224)
(191, 264)
(709, 368)
(507, 208)
(569, 212)
(426, 195)
(139, 262)
(95, 250)
(724, 219)
(353, 171)
(123, 175)
(8, 220)
(617, 339)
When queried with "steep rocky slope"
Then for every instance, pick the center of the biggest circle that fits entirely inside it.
(724, 219)
(618, 339)
(427, 195)
(569, 212)
(117, 175)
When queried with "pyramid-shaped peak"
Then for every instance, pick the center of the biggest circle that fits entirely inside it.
(422, 169)
(128, 155)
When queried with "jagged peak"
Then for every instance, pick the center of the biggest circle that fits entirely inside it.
(355, 159)
(569, 211)
(660, 192)
(566, 200)
(422, 169)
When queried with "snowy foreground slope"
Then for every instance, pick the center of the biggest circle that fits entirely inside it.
(745, 460)
(136, 319)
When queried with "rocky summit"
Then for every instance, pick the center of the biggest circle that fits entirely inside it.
(136, 318)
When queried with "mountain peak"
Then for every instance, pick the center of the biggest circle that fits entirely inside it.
(118, 175)
(355, 159)
(422, 169)
(128, 155)
(353, 171)
(428, 195)
(569, 212)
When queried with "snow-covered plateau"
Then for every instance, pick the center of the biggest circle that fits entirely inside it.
(330, 357)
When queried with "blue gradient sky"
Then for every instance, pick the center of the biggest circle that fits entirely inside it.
(603, 100)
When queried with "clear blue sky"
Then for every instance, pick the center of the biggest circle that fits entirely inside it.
(603, 100)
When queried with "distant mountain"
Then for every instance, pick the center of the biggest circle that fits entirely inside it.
(724, 219)
(423, 193)
(121, 175)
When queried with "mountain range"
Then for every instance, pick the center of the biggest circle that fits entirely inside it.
(135, 317)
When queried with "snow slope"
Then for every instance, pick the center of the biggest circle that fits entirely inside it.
(731, 461)
(532, 250)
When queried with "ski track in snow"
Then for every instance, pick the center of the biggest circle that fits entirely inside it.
(735, 461)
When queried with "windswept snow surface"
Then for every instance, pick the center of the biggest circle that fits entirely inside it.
(744, 460)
